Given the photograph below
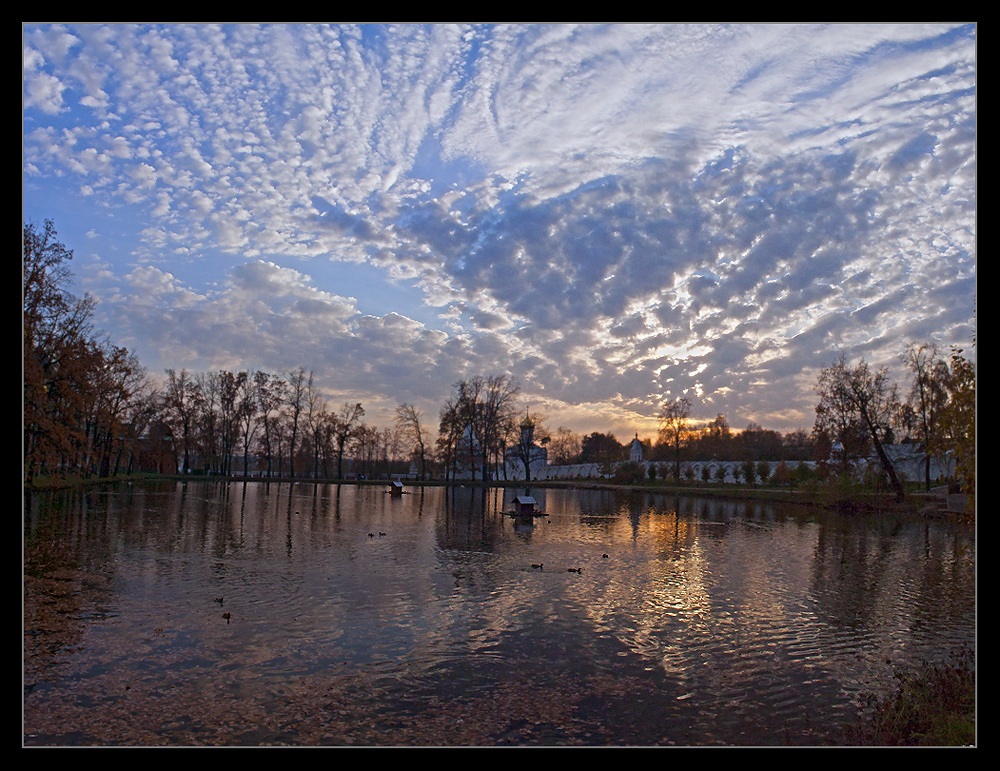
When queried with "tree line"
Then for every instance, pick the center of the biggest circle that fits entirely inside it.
(91, 408)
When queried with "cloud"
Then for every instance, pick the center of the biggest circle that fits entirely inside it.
(612, 211)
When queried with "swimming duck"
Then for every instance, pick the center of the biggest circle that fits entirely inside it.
(574, 570)
(538, 566)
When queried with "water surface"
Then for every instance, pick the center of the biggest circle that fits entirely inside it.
(205, 613)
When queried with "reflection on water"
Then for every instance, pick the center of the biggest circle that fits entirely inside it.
(434, 618)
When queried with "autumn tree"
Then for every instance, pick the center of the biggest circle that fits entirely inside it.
(957, 422)
(674, 428)
(58, 352)
(859, 402)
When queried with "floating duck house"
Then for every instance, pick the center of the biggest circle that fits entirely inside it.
(396, 488)
(525, 507)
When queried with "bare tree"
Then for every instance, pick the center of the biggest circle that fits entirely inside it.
(270, 396)
(486, 406)
(247, 411)
(315, 420)
(529, 434)
(674, 428)
(450, 429)
(409, 420)
(295, 403)
(347, 420)
(565, 447)
(181, 402)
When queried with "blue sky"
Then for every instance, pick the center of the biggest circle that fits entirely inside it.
(615, 214)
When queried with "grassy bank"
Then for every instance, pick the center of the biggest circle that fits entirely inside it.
(931, 706)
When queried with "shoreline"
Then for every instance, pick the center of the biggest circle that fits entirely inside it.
(916, 502)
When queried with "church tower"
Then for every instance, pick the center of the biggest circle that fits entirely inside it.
(635, 452)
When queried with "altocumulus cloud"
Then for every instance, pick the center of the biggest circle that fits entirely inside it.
(614, 213)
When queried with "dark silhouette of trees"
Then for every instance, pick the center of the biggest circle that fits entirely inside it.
(603, 449)
(857, 405)
(346, 423)
(409, 421)
(565, 447)
(927, 398)
(674, 428)
(477, 419)
(957, 422)
(530, 433)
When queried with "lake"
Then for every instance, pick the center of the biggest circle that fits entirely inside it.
(204, 613)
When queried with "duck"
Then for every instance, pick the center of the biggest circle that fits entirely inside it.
(227, 615)
(538, 565)
(371, 535)
(574, 570)
(380, 534)
(219, 600)
(604, 556)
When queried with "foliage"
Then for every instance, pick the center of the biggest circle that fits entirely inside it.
(931, 706)
(957, 421)
(83, 398)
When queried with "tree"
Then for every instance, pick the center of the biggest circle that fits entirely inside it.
(181, 403)
(409, 420)
(59, 352)
(674, 428)
(602, 449)
(565, 447)
(247, 411)
(484, 410)
(345, 423)
(450, 429)
(295, 402)
(270, 396)
(315, 420)
(927, 398)
(957, 422)
(857, 401)
(230, 385)
(530, 433)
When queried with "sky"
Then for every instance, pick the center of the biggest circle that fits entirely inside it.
(616, 215)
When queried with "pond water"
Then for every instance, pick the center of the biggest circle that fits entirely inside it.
(213, 614)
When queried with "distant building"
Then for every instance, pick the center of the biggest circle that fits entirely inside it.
(635, 451)
(537, 456)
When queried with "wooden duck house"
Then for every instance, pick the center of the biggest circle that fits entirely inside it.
(524, 506)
